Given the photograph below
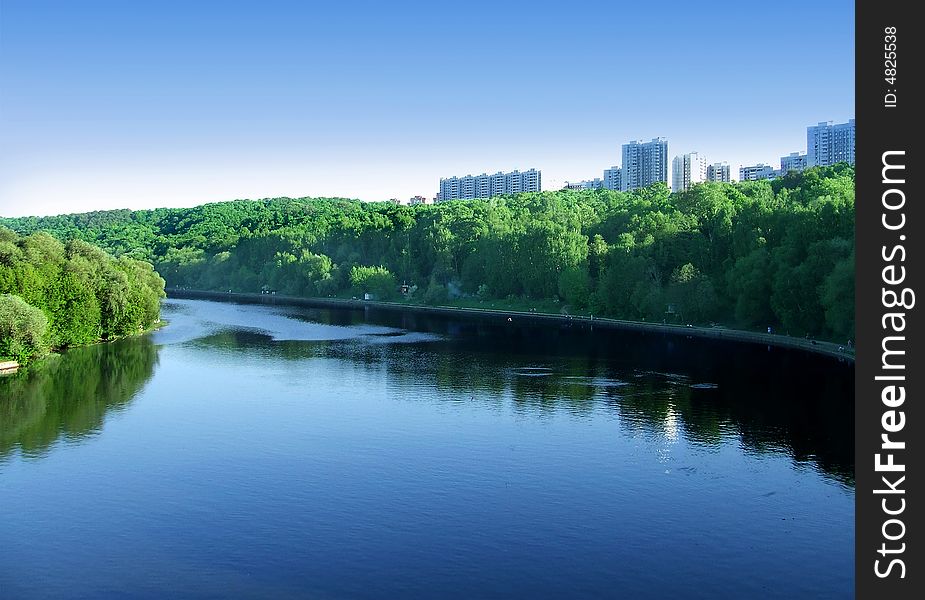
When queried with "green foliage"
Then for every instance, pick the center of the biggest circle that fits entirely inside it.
(575, 286)
(76, 313)
(839, 284)
(374, 280)
(749, 283)
(692, 294)
(754, 254)
(82, 293)
(23, 329)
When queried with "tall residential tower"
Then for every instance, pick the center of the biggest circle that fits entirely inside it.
(827, 144)
(686, 170)
(644, 163)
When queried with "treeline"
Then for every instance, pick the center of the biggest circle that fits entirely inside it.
(54, 294)
(755, 254)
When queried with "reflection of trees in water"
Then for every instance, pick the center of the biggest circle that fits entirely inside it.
(772, 402)
(69, 395)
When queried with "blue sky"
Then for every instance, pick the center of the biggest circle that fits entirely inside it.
(114, 104)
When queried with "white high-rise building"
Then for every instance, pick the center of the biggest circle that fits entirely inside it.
(793, 162)
(757, 172)
(612, 178)
(644, 163)
(686, 170)
(828, 144)
(719, 172)
(486, 186)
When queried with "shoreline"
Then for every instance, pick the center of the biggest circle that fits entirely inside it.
(829, 349)
(59, 351)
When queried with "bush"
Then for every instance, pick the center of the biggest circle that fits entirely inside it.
(23, 329)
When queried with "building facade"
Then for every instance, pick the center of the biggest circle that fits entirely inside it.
(719, 172)
(757, 172)
(828, 143)
(793, 162)
(644, 163)
(687, 170)
(613, 179)
(486, 186)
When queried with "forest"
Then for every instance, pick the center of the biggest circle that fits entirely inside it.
(56, 294)
(751, 255)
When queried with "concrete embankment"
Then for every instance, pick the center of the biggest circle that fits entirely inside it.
(8, 367)
(717, 333)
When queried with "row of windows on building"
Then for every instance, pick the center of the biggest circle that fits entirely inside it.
(487, 186)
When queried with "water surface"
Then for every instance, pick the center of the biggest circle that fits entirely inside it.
(269, 452)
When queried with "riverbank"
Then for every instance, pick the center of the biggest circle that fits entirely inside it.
(11, 367)
(718, 333)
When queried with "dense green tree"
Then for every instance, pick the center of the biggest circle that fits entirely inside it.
(23, 329)
(692, 294)
(749, 283)
(77, 316)
(81, 292)
(374, 280)
(838, 285)
(575, 286)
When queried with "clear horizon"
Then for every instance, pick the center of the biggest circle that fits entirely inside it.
(106, 105)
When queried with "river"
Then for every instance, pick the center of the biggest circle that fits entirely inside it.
(254, 451)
